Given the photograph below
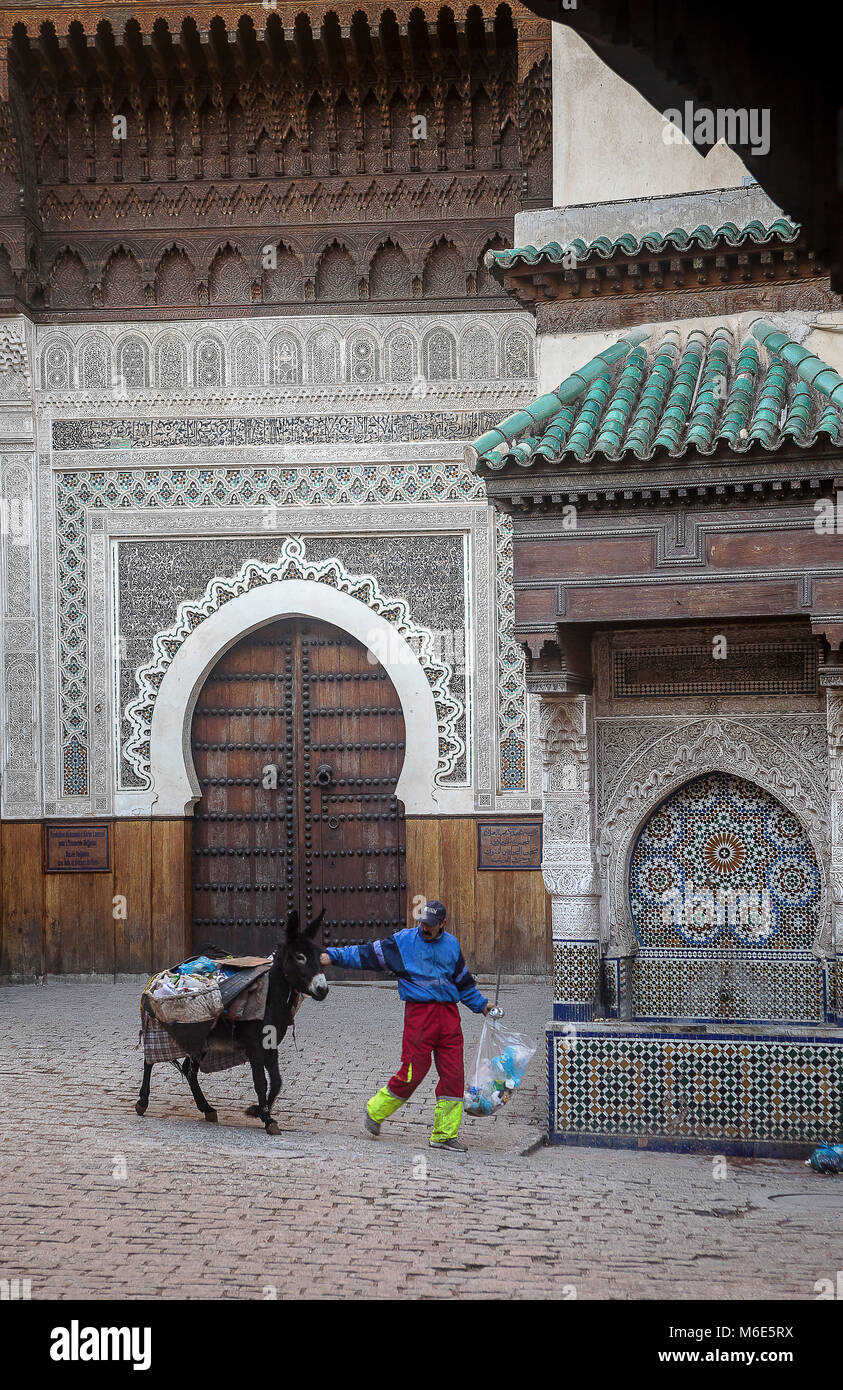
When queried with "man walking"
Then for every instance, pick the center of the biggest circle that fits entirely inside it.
(432, 978)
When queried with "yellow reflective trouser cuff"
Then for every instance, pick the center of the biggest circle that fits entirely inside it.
(382, 1105)
(446, 1120)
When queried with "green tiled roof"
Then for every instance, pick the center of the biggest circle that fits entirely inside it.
(627, 245)
(675, 395)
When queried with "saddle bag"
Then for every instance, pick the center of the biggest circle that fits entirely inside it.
(196, 1006)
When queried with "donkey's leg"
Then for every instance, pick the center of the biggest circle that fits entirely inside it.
(191, 1071)
(143, 1098)
(270, 1064)
(270, 1061)
(256, 1055)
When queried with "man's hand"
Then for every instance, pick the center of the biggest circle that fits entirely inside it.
(325, 959)
(493, 1010)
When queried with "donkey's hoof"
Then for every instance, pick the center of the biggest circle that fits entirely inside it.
(272, 1128)
(140, 1109)
(252, 1111)
(211, 1116)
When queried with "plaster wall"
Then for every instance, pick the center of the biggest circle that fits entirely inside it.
(825, 338)
(133, 450)
(607, 139)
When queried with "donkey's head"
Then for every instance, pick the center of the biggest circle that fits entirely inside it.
(298, 957)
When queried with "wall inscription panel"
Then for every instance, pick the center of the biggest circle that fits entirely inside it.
(509, 844)
(77, 849)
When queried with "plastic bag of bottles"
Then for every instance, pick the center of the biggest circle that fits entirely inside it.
(502, 1059)
(828, 1158)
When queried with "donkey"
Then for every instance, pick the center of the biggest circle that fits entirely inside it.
(295, 971)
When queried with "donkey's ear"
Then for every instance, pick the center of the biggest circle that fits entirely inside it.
(313, 927)
(292, 924)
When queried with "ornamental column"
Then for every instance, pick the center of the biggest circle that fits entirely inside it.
(833, 964)
(569, 860)
(19, 686)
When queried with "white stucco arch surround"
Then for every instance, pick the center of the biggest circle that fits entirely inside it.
(175, 787)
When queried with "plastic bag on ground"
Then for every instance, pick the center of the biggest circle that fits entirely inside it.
(502, 1060)
(828, 1158)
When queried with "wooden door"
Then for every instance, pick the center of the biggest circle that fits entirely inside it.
(298, 743)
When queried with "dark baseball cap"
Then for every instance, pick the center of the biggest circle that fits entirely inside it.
(433, 913)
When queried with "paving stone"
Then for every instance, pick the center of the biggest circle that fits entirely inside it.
(325, 1210)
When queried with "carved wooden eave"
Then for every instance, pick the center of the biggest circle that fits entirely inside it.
(63, 13)
(668, 272)
(558, 664)
(713, 539)
(751, 479)
(252, 127)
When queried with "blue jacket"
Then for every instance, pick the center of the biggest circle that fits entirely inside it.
(426, 970)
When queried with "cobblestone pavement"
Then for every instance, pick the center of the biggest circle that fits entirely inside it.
(99, 1203)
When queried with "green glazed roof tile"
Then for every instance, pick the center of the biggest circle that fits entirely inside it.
(619, 412)
(735, 422)
(547, 406)
(663, 392)
(556, 434)
(798, 416)
(649, 408)
(782, 229)
(831, 423)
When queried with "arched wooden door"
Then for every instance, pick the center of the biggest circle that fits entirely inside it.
(298, 743)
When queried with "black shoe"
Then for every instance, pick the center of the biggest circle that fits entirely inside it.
(455, 1146)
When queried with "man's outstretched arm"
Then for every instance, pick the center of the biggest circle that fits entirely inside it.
(372, 955)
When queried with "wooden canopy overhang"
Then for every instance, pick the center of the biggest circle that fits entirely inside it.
(593, 546)
(104, 35)
(546, 275)
(746, 528)
(154, 157)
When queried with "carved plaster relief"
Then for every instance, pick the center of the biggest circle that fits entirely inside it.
(317, 526)
(835, 780)
(292, 564)
(260, 502)
(429, 571)
(199, 405)
(176, 362)
(568, 864)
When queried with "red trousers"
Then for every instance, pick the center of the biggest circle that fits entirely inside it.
(430, 1028)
